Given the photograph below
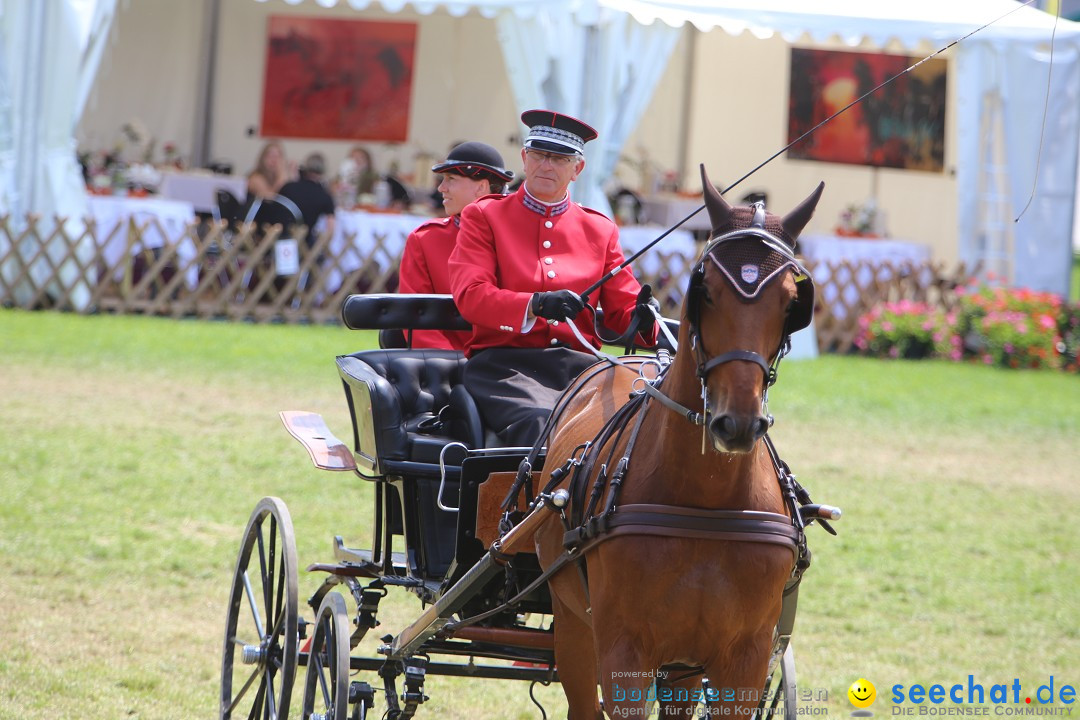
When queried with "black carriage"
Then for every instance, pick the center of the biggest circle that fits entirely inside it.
(440, 532)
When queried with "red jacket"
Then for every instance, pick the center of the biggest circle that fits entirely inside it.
(511, 246)
(424, 270)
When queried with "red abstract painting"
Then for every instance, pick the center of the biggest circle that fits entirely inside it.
(901, 125)
(338, 79)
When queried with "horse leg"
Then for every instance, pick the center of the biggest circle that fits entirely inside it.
(674, 696)
(743, 677)
(575, 658)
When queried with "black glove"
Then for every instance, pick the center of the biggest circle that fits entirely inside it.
(557, 305)
(645, 303)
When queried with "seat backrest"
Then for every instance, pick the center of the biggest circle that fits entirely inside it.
(395, 314)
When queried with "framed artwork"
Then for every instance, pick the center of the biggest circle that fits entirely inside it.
(902, 125)
(338, 79)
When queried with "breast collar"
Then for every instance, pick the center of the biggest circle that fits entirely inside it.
(542, 208)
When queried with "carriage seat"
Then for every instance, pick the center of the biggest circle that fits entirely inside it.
(406, 403)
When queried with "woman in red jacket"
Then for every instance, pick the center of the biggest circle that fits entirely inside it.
(517, 271)
(471, 171)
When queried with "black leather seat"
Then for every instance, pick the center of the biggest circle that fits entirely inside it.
(406, 406)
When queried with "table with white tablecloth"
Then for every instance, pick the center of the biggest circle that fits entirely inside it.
(667, 210)
(200, 188)
(158, 222)
(362, 237)
(861, 252)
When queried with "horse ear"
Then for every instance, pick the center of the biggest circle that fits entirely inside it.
(719, 210)
(794, 222)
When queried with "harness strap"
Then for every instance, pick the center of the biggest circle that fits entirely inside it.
(675, 521)
(692, 415)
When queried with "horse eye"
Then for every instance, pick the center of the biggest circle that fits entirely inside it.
(706, 296)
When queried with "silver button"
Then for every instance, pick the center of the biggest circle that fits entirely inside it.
(548, 261)
(551, 273)
(547, 243)
(554, 341)
(555, 323)
(549, 224)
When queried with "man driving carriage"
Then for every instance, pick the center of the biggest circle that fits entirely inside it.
(517, 273)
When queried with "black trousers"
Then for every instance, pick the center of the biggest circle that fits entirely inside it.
(516, 388)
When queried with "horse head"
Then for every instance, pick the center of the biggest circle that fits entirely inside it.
(747, 294)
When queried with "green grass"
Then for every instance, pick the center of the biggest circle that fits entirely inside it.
(133, 450)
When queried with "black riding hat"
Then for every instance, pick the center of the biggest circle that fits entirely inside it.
(475, 160)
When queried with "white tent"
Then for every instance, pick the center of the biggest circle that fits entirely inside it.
(1001, 73)
(49, 54)
(591, 61)
(601, 59)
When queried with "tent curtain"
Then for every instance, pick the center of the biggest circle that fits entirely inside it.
(1009, 79)
(49, 54)
(601, 68)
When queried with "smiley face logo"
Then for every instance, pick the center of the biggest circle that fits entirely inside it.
(862, 693)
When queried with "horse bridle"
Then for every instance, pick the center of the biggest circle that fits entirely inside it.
(758, 232)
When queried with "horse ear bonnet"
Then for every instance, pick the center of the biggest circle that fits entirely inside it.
(749, 260)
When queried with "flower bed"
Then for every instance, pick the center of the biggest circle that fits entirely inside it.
(1003, 327)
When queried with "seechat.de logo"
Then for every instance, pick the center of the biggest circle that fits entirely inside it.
(862, 695)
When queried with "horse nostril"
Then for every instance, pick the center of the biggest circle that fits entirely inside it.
(723, 426)
(761, 427)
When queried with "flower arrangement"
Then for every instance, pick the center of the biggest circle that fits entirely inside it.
(864, 220)
(904, 329)
(1002, 327)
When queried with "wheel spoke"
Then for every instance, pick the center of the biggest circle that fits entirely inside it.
(323, 685)
(250, 593)
(255, 673)
(271, 699)
(257, 706)
(264, 573)
(271, 580)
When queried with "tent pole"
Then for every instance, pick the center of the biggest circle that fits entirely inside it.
(690, 32)
(204, 105)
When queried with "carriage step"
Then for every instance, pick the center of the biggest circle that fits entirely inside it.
(355, 556)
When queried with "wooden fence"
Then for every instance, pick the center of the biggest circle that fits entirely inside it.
(250, 273)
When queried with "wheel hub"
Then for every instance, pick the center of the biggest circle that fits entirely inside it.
(252, 654)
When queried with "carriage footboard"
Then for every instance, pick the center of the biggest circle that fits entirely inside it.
(326, 451)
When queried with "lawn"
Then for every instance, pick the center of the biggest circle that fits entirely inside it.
(134, 449)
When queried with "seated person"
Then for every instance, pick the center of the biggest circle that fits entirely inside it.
(520, 262)
(272, 170)
(310, 196)
(471, 171)
(358, 172)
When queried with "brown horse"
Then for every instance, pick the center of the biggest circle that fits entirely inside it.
(671, 577)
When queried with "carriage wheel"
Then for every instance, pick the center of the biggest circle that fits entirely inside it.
(326, 686)
(260, 654)
(778, 700)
